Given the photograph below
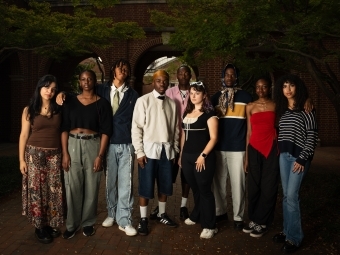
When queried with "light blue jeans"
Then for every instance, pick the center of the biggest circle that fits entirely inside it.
(119, 176)
(291, 183)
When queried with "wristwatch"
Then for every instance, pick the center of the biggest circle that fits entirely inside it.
(204, 155)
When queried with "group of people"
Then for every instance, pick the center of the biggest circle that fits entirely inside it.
(167, 130)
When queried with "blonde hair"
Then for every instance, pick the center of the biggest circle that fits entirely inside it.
(160, 73)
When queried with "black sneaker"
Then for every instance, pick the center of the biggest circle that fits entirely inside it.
(143, 226)
(279, 238)
(183, 213)
(54, 232)
(221, 217)
(167, 221)
(248, 229)
(258, 231)
(238, 225)
(289, 247)
(43, 236)
(153, 214)
(88, 231)
(69, 234)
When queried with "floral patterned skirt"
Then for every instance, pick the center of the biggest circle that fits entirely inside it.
(42, 189)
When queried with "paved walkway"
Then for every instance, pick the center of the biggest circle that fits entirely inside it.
(17, 236)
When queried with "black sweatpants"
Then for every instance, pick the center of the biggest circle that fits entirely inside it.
(200, 183)
(263, 179)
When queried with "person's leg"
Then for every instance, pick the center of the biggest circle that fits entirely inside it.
(91, 182)
(235, 161)
(74, 180)
(111, 185)
(185, 194)
(219, 184)
(125, 154)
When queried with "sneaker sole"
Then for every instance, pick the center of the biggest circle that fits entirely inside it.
(107, 226)
(215, 232)
(247, 231)
(94, 231)
(128, 234)
(257, 235)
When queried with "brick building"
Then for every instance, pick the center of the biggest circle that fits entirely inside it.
(21, 71)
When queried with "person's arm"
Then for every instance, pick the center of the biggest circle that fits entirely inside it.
(213, 132)
(66, 162)
(24, 134)
(137, 126)
(181, 146)
(98, 162)
(248, 114)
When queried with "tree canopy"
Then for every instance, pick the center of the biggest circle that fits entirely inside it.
(54, 34)
(261, 36)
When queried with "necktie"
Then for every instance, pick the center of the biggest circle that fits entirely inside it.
(161, 97)
(115, 102)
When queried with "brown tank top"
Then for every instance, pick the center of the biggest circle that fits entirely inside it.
(45, 132)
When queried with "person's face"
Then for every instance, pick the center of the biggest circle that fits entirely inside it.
(229, 77)
(121, 72)
(262, 88)
(289, 90)
(183, 76)
(48, 92)
(86, 81)
(196, 97)
(160, 84)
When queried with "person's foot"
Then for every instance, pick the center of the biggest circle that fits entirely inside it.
(54, 232)
(208, 233)
(108, 222)
(279, 238)
(129, 230)
(249, 228)
(221, 217)
(238, 225)
(143, 226)
(43, 236)
(189, 222)
(258, 231)
(183, 213)
(69, 234)
(88, 231)
(164, 219)
(289, 247)
(154, 213)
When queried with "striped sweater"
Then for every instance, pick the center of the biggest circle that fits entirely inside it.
(298, 135)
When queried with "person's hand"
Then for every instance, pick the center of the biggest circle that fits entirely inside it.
(200, 163)
(97, 166)
(246, 166)
(298, 168)
(60, 98)
(66, 162)
(180, 161)
(142, 161)
(23, 167)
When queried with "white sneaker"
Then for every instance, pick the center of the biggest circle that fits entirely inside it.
(108, 222)
(208, 233)
(129, 230)
(189, 222)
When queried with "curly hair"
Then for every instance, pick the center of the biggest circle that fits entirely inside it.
(119, 63)
(301, 94)
(206, 106)
(35, 103)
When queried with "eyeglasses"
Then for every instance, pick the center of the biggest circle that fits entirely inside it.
(197, 83)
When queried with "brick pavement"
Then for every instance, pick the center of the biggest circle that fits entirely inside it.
(17, 235)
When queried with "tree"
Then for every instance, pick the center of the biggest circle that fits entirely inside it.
(40, 29)
(262, 36)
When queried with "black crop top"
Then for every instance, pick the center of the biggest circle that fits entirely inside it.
(197, 133)
(96, 116)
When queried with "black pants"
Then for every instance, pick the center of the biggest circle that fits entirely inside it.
(200, 183)
(175, 170)
(263, 179)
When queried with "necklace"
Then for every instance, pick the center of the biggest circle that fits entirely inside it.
(183, 95)
(263, 104)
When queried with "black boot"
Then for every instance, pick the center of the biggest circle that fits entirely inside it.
(43, 236)
(54, 232)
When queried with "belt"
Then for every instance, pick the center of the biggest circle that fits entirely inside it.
(84, 137)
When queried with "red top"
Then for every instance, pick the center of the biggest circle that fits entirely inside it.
(263, 131)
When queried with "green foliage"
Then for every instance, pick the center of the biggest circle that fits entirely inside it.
(10, 174)
(54, 34)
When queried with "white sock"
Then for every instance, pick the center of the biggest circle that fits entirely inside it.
(263, 226)
(161, 208)
(143, 211)
(184, 202)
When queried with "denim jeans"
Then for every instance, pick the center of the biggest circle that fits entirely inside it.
(119, 176)
(291, 183)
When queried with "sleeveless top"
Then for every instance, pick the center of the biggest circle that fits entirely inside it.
(196, 132)
(45, 132)
(263, 131)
